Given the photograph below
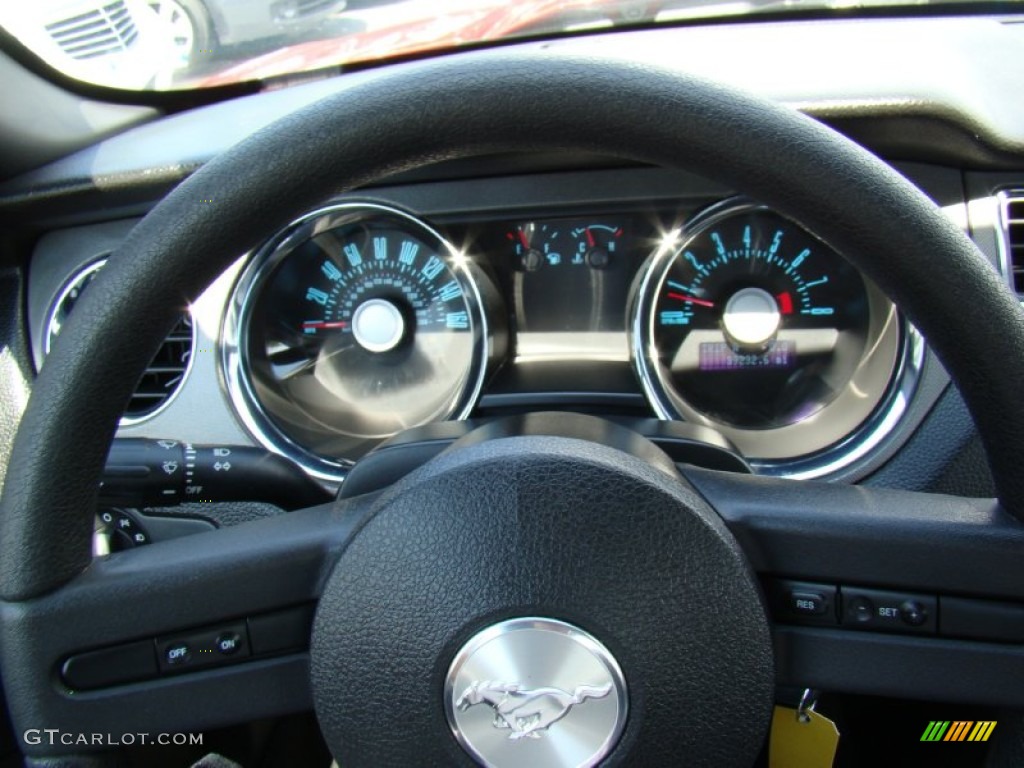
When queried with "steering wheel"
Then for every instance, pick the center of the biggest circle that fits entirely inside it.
(572, 539)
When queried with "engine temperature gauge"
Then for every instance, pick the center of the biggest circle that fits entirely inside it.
(596, 244)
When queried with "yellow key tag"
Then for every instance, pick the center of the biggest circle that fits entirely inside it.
(805, 740)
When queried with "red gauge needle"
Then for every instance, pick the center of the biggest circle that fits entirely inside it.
(524, 239)
(324, 324)
(692, 300)
(590, 237)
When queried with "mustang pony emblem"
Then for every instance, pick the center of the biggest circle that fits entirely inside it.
(527, 711)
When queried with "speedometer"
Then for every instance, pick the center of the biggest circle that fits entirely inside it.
(356, 323)
(750, 324)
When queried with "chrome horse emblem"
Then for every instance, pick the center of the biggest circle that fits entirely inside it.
(527, 712)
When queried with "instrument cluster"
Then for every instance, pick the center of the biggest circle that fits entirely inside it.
(361, 320)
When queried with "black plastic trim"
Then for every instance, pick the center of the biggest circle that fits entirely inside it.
(840, 534)
(892, 665)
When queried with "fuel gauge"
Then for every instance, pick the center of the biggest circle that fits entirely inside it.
(536, 245)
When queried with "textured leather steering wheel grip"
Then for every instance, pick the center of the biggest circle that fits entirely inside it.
(460, 106)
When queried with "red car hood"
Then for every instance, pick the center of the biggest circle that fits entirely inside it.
(478, 21)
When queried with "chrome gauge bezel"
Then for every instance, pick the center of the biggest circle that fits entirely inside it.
(75, 281)
(828, 441)
(235, 365)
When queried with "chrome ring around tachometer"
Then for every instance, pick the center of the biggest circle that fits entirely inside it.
(297, 384)
(722, 254)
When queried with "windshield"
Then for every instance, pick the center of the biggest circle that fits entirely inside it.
(184, 44)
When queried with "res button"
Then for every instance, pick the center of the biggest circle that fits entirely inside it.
(802, 602)
(808, 603)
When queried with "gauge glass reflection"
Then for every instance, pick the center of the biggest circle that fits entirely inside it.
(750, 324)
(757, 324)
(363, 324)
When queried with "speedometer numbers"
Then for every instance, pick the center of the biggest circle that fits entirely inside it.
(750, 324)
(360, 322)
(379, 289)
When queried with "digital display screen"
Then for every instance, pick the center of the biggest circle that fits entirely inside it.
(719, 356)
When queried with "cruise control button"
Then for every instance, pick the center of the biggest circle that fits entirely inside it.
(807, 603)
(228, 643)
(803, 602)
(860, 610)
(913, 613)
(177, 654)
(878, 609)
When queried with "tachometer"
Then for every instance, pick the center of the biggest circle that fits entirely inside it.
(750, 324)
(358, 322)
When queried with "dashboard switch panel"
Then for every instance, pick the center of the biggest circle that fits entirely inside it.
(268, 634)
(886, 611)
(207, 647)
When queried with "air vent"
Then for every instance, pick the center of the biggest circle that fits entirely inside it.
(98, 32)
(163, 376)
(1013, 228)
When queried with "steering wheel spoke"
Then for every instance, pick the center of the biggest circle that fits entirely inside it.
(959, 556)
(132, 644)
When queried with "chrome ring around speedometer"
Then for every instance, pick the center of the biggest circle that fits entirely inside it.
(747, 323)
(354, 323)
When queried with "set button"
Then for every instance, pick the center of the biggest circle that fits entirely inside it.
(888, 611)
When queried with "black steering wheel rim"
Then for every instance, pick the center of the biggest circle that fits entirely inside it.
(468, 106)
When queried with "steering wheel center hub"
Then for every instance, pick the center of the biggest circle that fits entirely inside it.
(535, 691)
(420, 647)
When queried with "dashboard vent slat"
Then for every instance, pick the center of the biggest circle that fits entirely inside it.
(164, 374)
(1013, 240)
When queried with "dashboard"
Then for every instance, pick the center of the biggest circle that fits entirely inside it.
(362, 320)
(662, 296)
(505, 285)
